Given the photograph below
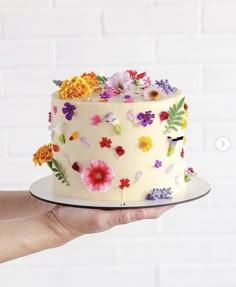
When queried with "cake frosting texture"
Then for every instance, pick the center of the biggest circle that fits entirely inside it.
(118, 139)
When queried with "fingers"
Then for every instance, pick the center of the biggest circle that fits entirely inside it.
(156, 212)
(117, 217)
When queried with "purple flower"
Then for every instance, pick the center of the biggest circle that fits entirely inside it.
(158, 163)
(128, 99)
(165, 86)
(159, 193)
(146, 118)
(68, 110)
(105, 95)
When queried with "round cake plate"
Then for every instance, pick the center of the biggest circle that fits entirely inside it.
(42, 189)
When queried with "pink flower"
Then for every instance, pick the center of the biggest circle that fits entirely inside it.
(118, 82)
(54, 110)
(147, 81)
(96, 120)
(98, 176)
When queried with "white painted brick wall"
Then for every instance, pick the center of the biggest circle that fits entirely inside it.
(58, 22)
(215, 11)
(25, 53)
(193, 44)
(112, 51)
(179, 19)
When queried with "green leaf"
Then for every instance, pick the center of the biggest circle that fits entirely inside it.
(171, 112)
(173, 128)
(63, 181)
(101, 79)
(177, 123)
(58, 174)
(49, 163)
(178, 118)
(55, 169)
(180, 113)
(56, 163)
(168, 122)
(180, 104)
(175, 108)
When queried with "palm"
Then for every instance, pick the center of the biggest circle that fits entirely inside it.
(84, 220)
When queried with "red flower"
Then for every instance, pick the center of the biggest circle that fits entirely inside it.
(135, 76)
(105, 142)
(119, 150)
(164, 116)
(76, 166)
(56, 148)
(182, 153)
(124, 183)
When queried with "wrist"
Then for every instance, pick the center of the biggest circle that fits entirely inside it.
(61, 234)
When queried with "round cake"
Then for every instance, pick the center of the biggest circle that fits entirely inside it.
(117, 138)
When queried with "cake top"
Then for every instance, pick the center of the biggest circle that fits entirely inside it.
(129, 86)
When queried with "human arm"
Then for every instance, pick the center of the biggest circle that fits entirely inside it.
(19, 204)
(62, 224)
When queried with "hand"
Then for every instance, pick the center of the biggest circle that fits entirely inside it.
(69, 222)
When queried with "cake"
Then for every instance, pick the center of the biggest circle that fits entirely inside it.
(118, 138)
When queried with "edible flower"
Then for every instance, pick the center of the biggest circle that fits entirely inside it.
(118, 83)
(125, 182)
(43, 155)
(146, 118)
(68, 111)
(76, 87)
(145, 143)
(98, 176)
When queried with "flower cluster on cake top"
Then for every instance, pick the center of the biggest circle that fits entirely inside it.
(125, 84)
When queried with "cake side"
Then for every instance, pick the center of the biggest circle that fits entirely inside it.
(117, 139)
(141, 157)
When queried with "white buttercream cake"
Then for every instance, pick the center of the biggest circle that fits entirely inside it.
(117, 138)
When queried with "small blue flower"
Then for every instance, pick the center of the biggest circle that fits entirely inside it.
(165, 86)
(160, 193)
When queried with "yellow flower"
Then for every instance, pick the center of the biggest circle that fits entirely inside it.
(184, 123)
(44, 154)
(145, 143)
(91, 79)
(76, 87)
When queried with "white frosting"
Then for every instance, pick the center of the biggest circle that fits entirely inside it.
(133, 162)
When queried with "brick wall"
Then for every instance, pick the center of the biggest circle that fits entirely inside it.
(192, 43)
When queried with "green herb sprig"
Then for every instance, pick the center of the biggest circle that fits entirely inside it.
(175, 117)
(56, 167)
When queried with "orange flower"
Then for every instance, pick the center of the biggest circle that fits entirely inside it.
(43, 154)
(76, 87)
(91, 79)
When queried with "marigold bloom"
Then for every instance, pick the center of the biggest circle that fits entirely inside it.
(43, 154)
(76, 87)
(91, 79)
(145, 143)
